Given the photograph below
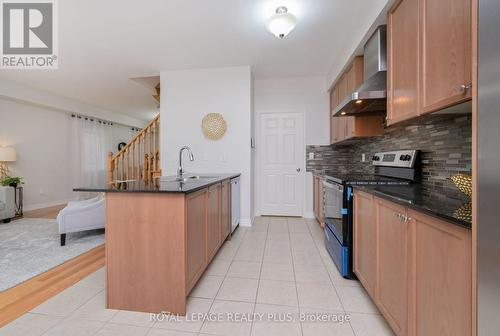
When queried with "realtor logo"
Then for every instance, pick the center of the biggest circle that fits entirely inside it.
(28, 34)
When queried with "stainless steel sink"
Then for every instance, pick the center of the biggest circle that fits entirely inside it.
(191, 178)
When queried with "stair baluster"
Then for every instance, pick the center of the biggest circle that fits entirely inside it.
(139, 160)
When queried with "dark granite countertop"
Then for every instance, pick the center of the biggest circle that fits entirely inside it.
(164, 184)
(453, 207)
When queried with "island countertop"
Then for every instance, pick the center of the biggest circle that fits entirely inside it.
(164, 184)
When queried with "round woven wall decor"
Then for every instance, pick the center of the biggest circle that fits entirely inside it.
(214, 126)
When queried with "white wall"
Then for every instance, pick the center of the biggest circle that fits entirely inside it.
(12, 90)
(299, 94)
(187, 96)
(36, 124)
(121, 134)
(41, 137)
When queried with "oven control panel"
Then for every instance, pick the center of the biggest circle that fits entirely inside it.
(401, 159)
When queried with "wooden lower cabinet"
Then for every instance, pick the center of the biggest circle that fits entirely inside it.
(225, 209)
(392, 236)
(208, 225)
(214, 220)
(365, 248)
(318, 200)
(416, 268)
(159, 244)
(441, 288)
(196, 233)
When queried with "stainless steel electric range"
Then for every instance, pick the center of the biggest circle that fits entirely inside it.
(391, 169)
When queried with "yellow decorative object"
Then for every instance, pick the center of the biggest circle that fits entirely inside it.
(463, 183)
(214, 126)
(464, 212)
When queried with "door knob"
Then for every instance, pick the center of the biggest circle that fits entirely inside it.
(298, 170)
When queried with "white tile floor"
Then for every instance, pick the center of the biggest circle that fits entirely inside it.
(279, 266)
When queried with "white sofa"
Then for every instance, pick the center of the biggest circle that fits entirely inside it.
(80, 216)
(7, 204)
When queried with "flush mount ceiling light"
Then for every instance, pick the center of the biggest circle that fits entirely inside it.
(281, 23)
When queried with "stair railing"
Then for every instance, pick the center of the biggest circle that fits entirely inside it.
(139, 160)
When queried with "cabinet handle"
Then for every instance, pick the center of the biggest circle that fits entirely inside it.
(464, 88)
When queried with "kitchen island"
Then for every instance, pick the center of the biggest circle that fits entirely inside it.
(160, 238)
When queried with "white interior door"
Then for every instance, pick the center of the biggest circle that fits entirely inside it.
(281, 157)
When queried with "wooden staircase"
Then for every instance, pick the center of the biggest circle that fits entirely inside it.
(139, 160)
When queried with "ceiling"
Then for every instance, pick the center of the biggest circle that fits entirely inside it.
(103, 44)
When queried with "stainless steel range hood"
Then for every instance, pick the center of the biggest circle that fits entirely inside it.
(371, 96)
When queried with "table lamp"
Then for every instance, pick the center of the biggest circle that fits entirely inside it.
(7, 154)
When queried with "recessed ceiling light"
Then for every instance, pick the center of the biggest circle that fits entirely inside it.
(343, 113)
(359, 101)
(281, 23)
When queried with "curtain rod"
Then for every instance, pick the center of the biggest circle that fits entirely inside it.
(102, 121)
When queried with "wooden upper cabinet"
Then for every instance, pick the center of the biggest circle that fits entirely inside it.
(336, 133)
(213, 220)
(393, 246)
(402, 54)
(429, 57)
(446, 53)
(342, 85)
(365, 242)
(225, 209)
(355, 75)
(196, 251)
(344, 128)
(334, 98)
(341, 128)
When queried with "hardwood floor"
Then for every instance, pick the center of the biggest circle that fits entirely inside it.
(16, 301)
(47, 213)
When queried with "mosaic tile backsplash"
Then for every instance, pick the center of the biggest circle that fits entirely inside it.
(445, 143)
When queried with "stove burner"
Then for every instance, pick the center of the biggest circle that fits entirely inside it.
(366, 179)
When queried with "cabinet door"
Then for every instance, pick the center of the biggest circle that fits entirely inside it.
(342, 88)
(336, 100)
(355, 75)
(392, 290)
(196, 245)
(335, 127)
(446, 32)
(225, 210)
(402, 75)
(441, 289)
(341, 128)
(350, 130)
(213, 222)
(365, 241)
(315, 196)
(321, 215)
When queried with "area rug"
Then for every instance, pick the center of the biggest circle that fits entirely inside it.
(29, 247)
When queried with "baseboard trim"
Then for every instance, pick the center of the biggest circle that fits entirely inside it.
(37, 206)
(246, 222)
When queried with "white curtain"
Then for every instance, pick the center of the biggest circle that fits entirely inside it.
(92, 141)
